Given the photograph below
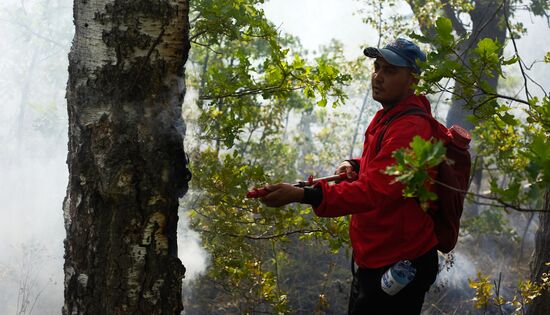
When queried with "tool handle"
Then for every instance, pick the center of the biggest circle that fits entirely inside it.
(340, 176)
(312, 181)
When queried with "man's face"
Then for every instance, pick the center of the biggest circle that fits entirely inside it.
(391, 84)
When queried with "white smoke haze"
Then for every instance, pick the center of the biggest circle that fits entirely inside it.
(191, 253)
(456, 276)
(35, 39)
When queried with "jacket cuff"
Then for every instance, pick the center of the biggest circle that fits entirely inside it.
(313, 196)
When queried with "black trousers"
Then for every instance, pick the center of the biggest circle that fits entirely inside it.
(367, 297)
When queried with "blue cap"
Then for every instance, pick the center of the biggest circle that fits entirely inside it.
(400, 52)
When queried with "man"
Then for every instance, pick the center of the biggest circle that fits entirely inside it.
(385, 227)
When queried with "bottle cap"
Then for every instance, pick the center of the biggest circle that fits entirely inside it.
(461, 136)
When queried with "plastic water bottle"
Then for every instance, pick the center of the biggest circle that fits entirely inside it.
(397, 277)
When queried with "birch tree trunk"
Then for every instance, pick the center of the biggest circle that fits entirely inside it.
(126, 160)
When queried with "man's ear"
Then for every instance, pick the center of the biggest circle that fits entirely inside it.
(413, 80)
(413, 76)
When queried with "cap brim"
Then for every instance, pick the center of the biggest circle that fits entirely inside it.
(388, 55)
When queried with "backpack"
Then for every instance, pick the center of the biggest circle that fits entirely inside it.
(447, 210)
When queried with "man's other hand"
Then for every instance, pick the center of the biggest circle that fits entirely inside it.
(282, 194)
(346, 167)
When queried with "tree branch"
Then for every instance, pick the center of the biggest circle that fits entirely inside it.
(254, 91)
(474, 36)
(30, 31)
(194, 36)
(502, 203)
(484, 92)
(207, 47)
(268, 237)
(527, 94)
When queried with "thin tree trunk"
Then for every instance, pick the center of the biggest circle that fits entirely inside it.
(487, 22)
(541, 256)
(126, 160)
(359, 119)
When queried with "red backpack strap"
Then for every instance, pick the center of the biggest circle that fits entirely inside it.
(412, 111)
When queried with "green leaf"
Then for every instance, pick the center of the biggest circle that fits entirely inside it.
(486, 45)
(510, 61)
(444, 27)
(412, 167)
(509, 119)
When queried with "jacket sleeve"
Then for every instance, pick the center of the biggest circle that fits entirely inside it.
(373, 189)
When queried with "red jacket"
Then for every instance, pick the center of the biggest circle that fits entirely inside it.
(385, 227)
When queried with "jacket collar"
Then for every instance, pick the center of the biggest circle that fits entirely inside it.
(419, 101)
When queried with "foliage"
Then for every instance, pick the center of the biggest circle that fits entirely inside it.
(483, 288)
(389, 19)
(488, 294)
(519, 150)
(463, 57)
(489, 222)
(413, 168)
(250, 81)
(245, 61)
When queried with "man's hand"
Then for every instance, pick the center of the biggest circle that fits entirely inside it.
(346, 167)
(282, 194)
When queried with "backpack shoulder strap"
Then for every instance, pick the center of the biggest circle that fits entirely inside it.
(412, 111)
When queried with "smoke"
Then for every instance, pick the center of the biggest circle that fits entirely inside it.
(190, 251)
(456, 276)
(194, 257)
(35, 39)
(33, 181)
(33, 174)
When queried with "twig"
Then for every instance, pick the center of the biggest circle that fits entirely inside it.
(268, 237)
(253, 91)
(474, 40)
(193, 20)
(365, 101)
(441, 95)
(43, 37)
(497, 292)
(484, 92)
(502, 202)
(207, 47)
(527, 94)
(194, 36)
(531, 217)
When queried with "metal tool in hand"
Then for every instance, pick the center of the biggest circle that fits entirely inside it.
(260, 192)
